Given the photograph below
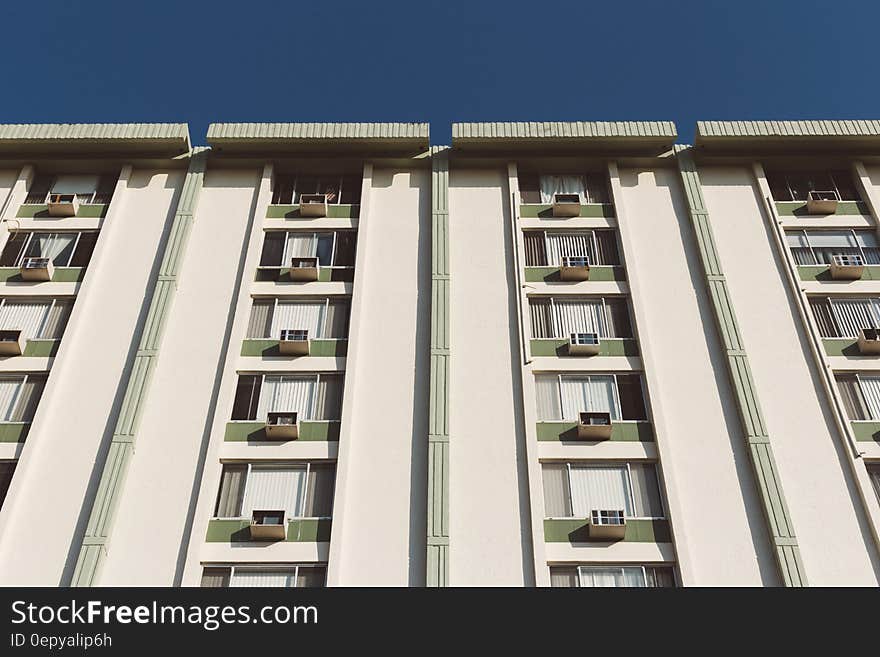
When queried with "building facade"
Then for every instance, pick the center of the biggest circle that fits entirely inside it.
(549, 354)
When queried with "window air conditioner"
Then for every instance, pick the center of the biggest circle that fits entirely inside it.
(574, 268)
(304, 269)
(583, 344)
(294, 342)
(847, 267)
(62, 205)
(269, 525)
(594, 425)
(608, 524)
(36, 269)
(566, 205)
(869, 341)
(822, 202)
(313, 205)
(282, 426)
(11, 342)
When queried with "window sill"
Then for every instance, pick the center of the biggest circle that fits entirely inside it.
(255, 432)
(334, 211)
(621, 431)
(304, 530)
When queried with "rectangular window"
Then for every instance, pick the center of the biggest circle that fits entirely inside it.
(547, 248)
(861, 396)
(323, 318)
(345, 189)
(611, 576)
(796, 185)
(562, 397)
(332, 248)
(299, 576)
(816, 247)
(19, 396)
(303, 490)
(72, 249)
(311, 396)
(7, 469)
(42, 319)
(559, 317)
(874, 474)
(844, 317)
(573, 490)
(590, 187)
(89, 189)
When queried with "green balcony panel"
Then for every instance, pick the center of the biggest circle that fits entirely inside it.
(589, 210)
(799, 209)
(333, 212)
(576, 530)
(41, 348)
(866, 431)
(841, 347)
(823, 273)
(633, 432)
(40, 211)
(325, 274)
(61, 275)
(309, 431)
(305, 530)
(597, 273)
(607, 347)
(336, 348)
(14, 432)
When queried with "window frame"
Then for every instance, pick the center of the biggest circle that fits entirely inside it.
(787, 175)
(266, 567)
(559, 335)
(22, 382)
(323, 324)
(263, 376)
(287, 233)
(30, 236)
(53, 301)
(618, 406)
(853, 231)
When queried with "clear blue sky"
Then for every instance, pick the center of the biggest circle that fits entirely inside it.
(340, 60)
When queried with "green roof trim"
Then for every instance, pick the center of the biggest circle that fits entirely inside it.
(141, 137)
(824, 134)
(318, 136)
(563, 130)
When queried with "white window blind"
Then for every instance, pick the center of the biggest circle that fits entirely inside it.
(870, 386)
(580, 316)
(272, 487)
(588, 393)
(9, 392)
(299, 315)
(599, 487)
(561, 245)
(286, 393)
(27, 316)
(605, 577)
(852, 315)
(263, 578)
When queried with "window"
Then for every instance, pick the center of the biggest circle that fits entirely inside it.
(7, 469)
(345, 189)
(19, 396)
(815, 247)
(311, 396)
(612, 576)
(88, 188)
(64, 249)
(844, 317)
(547, 248)
(873, 474)
(323, 318)
(333, 248)
(299, 576)
(564, 396)
(590, 187)
(303, 490)
(861, 395)
(796, 185)
(573, 490)
(559, 317)
(42, 319)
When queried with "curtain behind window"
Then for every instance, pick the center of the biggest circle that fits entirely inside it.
(541, 313)
(599, 487)
(566, 184)
(563, 577)
(535, 251)
(598, 577)
(547, 397)
(58, 247)
(299, 315)
(286, 394)
(271, 487)
(588, 393)
(231, 491)
(260, 325)
(556, 502)
(580, 316)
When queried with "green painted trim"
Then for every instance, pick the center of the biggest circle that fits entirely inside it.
(90, 211)
(304, 530)
(577, 530)
(325, 275)
(799, 209)
(755, 434)
(41, 348)
(866, 432)
(333, 212)
(314, 431)
(588, 210)
(607, 347)
(93, 545)
(823, 273)
(565, 432)
(338, 348)
(61, 275)
(601, 273)
(14, 432)
(437, 570)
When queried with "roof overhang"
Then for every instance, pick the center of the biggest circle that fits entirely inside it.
(788, 136)
(63, 139)
(629, 137)
(316, 138)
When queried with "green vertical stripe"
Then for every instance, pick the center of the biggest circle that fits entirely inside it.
(755, 430)
(93, 547)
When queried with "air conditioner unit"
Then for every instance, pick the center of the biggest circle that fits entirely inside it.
(269, 525)
(313, 205)
(822, 202)
(574, 268)
(62, 205)
(304, 269)
(294, 342)
(594, 425)
(583, 344)
(869, 341)
(36, 269)
(607, 524)
(282, 426)
(11, 342)
(566, 205)
(847, 267)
